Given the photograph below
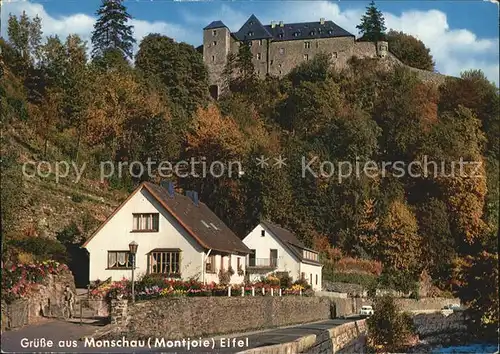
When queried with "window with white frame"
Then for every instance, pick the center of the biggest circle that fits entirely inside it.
(307, 45)
(259, 56)
(119, 260)
(146, 222)
(165, 262)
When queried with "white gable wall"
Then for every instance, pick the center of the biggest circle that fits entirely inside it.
(312, 273)
(262, 246)
(117, 233)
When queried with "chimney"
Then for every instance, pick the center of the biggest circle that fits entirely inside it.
(273, 24)
(322, 21)
(169, 187)
(281, 24)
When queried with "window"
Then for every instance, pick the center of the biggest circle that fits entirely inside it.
(310, 279)
(260, 41)
(214, 33)
(210, 264)
(165, 262)
(263, 233)
(316, 279)
(146, 222)
(213, 57)
(238, 264)
(250, 34)
(271, 63)
(279, 65)
(214, 43)
(334, 55)
(222, 263)
(280, 72)
(281, 35)
(306, 56)
(282, 50)
(249, 43)
(317, 44)
(119, 260)
(259, 56)
(307, 45)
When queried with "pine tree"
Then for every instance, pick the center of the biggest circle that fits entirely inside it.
(111, 32)
(372, 27)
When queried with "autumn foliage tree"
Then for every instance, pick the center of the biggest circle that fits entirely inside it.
(410, 50)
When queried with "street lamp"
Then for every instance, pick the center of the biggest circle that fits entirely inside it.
(132, 246)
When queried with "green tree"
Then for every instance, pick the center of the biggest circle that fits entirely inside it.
(410, 50)
(25, 36)
(111, 32)
(372, 27)
(177, 67)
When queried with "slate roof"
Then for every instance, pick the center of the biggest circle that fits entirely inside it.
(215, 24)
(198, 220)
(253, 29)
(307, 30)
(289, 240)
(207, 228)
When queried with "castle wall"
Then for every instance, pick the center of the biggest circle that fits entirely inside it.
(286, 55)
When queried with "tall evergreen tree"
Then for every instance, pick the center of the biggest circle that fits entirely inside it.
(111, 32)
(372, 27)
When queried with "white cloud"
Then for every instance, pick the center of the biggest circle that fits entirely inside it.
(454, 50)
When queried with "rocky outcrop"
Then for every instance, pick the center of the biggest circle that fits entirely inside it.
(45, 300)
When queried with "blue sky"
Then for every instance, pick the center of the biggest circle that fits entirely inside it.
(461, 34)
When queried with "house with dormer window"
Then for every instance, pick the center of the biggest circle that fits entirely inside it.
(277, 250)
(177, 235)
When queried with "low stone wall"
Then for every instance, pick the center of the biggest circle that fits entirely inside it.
(183, 317)
(437, 323)
(346, 338)
(342, 307)
(46, 300)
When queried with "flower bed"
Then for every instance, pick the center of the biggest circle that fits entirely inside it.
(157, 287)
(20, 279)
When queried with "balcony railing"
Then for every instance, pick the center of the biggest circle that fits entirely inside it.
(263, 262)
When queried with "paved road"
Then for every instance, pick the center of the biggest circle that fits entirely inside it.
(65, 338)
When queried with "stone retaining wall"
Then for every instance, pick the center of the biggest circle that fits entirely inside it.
(346, 338)
(46, 300)
(183, 317)
(344, 307)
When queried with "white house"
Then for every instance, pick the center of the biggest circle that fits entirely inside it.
(177, 236)
(275, 249)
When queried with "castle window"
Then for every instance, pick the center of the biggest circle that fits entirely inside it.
(260, 41)
(282, 50)
(306, 56)
(334, 55)
(259, 56)
(214, 33)
(213, 57)
(271, 63)
(280, 72)
(307, 45)
(214, 43)
(279, 65)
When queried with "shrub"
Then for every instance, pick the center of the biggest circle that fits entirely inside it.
(42, 248)
(77, 198)
(388, 326)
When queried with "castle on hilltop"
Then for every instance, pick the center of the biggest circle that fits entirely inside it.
(279, 47)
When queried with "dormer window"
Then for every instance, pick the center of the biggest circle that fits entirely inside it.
(250, 23)
(250, 34)
(146, 222)
(280, 35)
(330, 32)
(296, 34)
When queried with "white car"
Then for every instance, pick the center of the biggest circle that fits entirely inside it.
(366, 311)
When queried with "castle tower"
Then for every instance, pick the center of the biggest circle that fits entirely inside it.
(216, 47)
